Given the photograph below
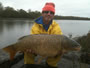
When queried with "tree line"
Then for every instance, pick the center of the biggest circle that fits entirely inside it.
(10, 12)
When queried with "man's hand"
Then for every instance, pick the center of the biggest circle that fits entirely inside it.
(30, 51)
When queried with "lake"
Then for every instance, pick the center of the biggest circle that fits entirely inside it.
(11, 30)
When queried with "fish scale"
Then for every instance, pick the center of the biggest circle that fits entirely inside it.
(43, 45)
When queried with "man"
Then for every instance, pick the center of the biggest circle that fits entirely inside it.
(45, 25)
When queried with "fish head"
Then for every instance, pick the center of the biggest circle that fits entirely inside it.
(70, 44)
(74, 46)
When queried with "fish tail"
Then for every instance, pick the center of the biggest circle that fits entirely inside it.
(11, 51)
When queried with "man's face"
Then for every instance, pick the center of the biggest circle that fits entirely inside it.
(47, 15)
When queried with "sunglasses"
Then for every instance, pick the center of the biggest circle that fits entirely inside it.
(48, 12)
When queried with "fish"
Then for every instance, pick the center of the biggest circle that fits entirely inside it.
(44, 45)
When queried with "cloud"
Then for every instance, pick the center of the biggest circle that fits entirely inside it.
(63, 7)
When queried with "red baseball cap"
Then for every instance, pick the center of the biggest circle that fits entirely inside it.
(49, 6)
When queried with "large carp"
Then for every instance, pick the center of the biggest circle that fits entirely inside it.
(43, 45)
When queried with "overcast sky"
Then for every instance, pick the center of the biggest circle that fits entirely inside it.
(79, 8)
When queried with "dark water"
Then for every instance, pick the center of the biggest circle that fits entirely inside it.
(11, 30)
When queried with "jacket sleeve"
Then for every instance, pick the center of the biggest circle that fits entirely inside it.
(57, 30)
(35, 29)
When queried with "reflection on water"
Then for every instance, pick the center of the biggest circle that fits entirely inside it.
(11, 30)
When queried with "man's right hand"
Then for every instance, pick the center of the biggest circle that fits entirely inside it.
(30, 51)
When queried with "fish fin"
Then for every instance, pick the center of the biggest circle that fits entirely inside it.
(11, 52)
(23, 37)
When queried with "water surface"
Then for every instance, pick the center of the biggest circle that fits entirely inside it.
(11, 30)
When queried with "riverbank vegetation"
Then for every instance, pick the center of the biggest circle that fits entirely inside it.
(85, 51)
(10, 12)
(85, 42)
